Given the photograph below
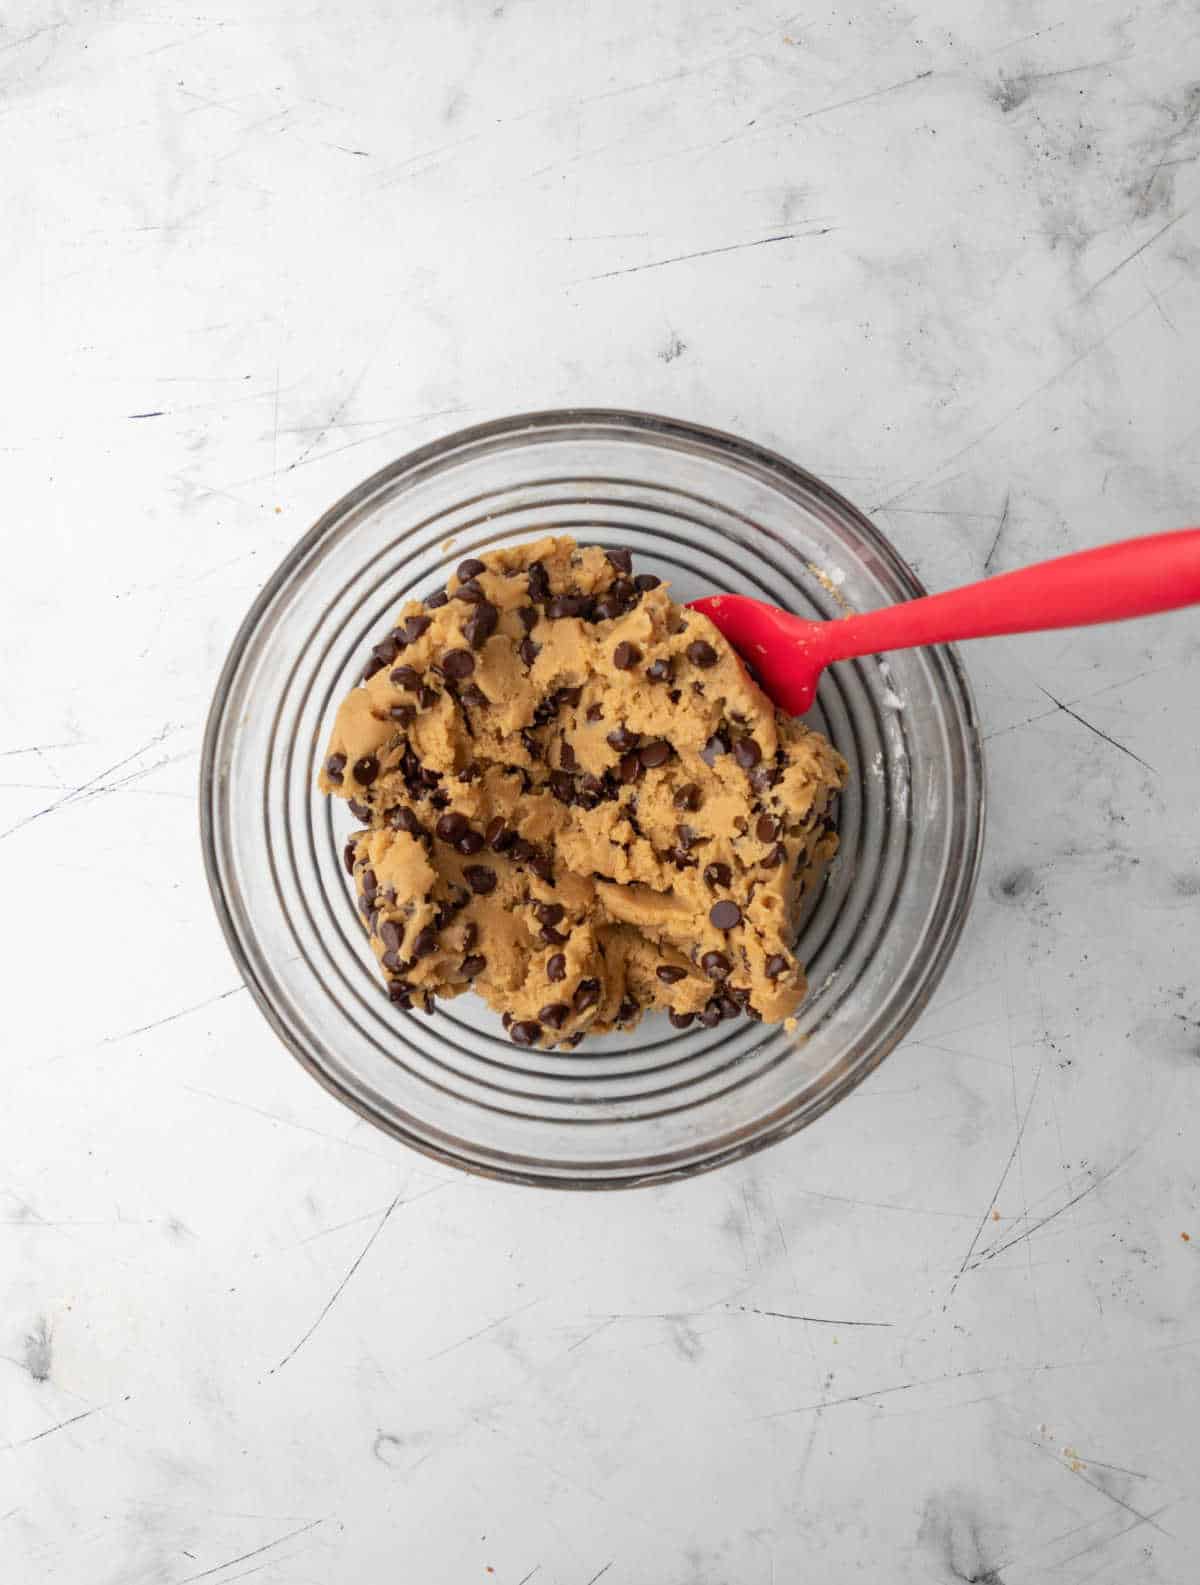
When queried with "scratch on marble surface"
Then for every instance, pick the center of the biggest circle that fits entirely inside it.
(602, 1572)
(62, 1425)
(1075, 716)
(1001, 526)
(170, 1018)
(483, 1330)
(1129, 257)
(1028, 1232)
(1018, 407)
(188, 1579)
(815, 1320)
(1008, 1165)
(879, 1392)
(861, 99)
(95, 785)
(332, 1300)
(704, 253)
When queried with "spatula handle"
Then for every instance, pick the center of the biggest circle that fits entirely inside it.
(1134, 577)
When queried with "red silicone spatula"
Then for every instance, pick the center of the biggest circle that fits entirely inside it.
(1135, 577)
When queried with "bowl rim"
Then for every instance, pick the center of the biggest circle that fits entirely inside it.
(435, 455)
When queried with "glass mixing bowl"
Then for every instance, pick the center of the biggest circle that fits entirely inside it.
(709, 513)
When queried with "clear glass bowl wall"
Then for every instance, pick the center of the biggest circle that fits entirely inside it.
(708, 513)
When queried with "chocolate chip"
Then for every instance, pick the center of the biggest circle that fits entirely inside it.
(622, 560)
(476, 696)
(716, 746)
(729, 1008)
(414, 627)
(480, 625)
(542, 868)
(498, 835)
(569, 696)
(335, 768)
(360, 811)
(528, 651)
(747, 753)
(556, 966)
(523, 851)
(471, 933)
(480, 879)
(711, 1016)
(762, 777)
(525, 1032)
(627, 1010)
(470, 592)
(399, 992)
(562, 786)
(626, 656)
(565, 605)
(391, 934)
(436, 600)
(527, 614)
(595, 712)
(366, 769)
(670, 973)
(470, 842)
(427, 698)
(458, 664)
(566, 756)
(549, 913)
(690, 838)
(645, 581)
(774, 858)
(587, 994)
(687, 797)
(402, 818)
(425, 943)
(573, 1040)
(372, 666)
(767, 829)
(656, 752)
(725, 915)
(556, 1014)
(660, 670)
(717, 875)
(368, 883)
(387, 649)
(630, 768)
(405, 677)
(348, 856)
(622, 739)
(473, 965)
(716, 965)
(681, 1020)
(608, 607)
(451, 826)
(702, 654)
(776, 966)
(470, 569)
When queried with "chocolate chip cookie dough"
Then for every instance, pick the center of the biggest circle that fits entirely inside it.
(577, 803)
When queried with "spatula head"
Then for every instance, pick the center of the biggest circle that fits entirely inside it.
(782, 650)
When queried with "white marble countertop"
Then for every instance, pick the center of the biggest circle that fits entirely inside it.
(944, 255)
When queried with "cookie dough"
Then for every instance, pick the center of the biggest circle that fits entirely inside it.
(577, 803)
